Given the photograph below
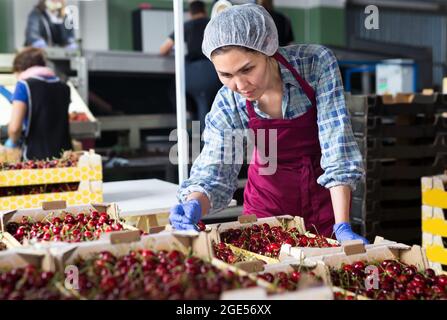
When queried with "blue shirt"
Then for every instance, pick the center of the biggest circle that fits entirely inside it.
(21, 91)
(341, 159)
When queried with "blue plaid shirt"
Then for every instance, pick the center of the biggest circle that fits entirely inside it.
(341, 159)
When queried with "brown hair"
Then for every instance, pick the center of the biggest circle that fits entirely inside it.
(27, 58)
(267, 4)
(225, 49)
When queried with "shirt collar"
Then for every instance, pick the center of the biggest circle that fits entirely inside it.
(286, 75)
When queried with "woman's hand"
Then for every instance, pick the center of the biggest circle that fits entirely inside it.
(343, 232)
(185, 216)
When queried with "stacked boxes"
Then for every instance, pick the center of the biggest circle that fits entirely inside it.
(401, 138)
(87, 173)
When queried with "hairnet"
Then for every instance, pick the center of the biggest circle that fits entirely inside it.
(247, 25)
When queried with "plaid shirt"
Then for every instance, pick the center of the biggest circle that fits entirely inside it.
(341, 159)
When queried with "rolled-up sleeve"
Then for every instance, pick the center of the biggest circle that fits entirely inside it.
(341, 158)
(215, 171)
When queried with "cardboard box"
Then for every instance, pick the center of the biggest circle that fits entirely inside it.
(287, 252)
(22, 257)
(355, 251)
(50, 210)
(259, 293)
(185, 242)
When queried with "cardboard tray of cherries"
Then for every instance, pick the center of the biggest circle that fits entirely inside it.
(55, 223)
(157, 266)
(270, 239)
(383, 271)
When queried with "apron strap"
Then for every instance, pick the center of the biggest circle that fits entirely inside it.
(308, 90)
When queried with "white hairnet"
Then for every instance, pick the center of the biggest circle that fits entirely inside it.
(247, 25)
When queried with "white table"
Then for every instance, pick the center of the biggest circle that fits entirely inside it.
(142, 197)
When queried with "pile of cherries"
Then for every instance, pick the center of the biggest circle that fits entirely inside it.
(29, 283)
(67, 227)
(146, 274)
(226, 254)
(266, 240)
(396, 281)
(66, 162)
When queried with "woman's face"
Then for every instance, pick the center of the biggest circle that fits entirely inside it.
(244, 72)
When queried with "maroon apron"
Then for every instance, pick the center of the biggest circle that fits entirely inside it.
(293, 188)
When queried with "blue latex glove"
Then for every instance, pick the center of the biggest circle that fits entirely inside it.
(39, 44)
(185, 216)
(10, 144)
(343, 232)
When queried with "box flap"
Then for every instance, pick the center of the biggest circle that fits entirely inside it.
(352, 247)
(250, 218)
(125, 236)
(154, 230)
(54, 205)
(250, 266)
(5, 216)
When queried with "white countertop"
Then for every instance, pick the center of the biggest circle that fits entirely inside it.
(137, 197)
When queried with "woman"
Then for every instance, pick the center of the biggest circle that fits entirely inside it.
(46, 26)
(40, 108)
(295, 91)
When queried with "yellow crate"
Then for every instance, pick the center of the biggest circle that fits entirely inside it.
(89, 168)
(434, 228)
(35, 200)
(434, 191)
(435, 250)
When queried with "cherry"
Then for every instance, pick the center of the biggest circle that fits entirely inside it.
(430, 273)
(201, 226)
(358, 265)
(442, 281)
(295, 276)
(88, 234)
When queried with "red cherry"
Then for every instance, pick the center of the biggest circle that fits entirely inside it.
(442, 281)
(359, 265)
(295, 276)
(56, 230)
(94, 214)
(88, 234)
(201, 226)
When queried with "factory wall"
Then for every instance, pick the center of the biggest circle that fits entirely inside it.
(312, 21)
